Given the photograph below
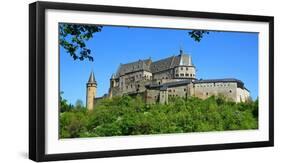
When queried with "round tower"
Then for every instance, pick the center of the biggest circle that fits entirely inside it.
(91, 91)
(112, 85)
(184, 68)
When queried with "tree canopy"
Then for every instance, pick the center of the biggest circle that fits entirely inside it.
(132, 116)
(72, 38)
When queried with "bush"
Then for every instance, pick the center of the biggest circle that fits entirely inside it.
(131, 116)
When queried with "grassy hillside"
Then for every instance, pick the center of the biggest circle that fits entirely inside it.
(131, 116)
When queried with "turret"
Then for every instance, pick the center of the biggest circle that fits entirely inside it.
(91, 91)
(185, 68)
(112, 84)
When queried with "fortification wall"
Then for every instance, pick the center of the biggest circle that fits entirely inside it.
(242, 95)
(205, 90)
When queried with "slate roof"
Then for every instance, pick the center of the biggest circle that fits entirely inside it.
(92, 78)
(157, 66)
(218, 80)
(133, 67)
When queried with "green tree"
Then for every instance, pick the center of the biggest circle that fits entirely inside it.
(73, 37)
(79, 104)
(64, 106)
(197, 35)
(128, 115)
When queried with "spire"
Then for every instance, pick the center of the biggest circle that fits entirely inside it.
(181, 50)
(113, 76)
(92, 78)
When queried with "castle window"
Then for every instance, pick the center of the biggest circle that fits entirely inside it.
(181, 68)
(230, 91)
(182, 74)
(170, 90)
(166, 77)
(186, 68)
(207, 93)
(186, 74)
(177, 74)
(174, 90)
(184, 89)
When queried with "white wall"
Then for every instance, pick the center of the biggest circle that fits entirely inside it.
(14, 80)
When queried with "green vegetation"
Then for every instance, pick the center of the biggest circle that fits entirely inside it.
(131, 116)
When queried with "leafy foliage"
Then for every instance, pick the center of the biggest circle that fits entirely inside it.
(64, 106)
(73, 37)
(131, 116)
(197, 35)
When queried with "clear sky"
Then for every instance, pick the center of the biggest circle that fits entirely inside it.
(218, 55)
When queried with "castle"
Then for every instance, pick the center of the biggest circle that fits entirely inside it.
(174, 76)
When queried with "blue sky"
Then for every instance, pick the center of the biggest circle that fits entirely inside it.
(218, 55)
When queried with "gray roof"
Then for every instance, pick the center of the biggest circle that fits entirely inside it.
(218, 80)
(171, 62)
(157, 66)
(139, 65)
(92, 78)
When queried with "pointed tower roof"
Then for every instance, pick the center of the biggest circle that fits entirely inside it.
(92, 78)
(112, 76)
(184, 59)
(181, 51)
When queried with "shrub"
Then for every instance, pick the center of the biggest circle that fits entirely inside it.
(131, 116)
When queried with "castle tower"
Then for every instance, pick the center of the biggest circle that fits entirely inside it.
(112, 84)
(185, 69)
(91, 91)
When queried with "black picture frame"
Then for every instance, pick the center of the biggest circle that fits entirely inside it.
(37, 80)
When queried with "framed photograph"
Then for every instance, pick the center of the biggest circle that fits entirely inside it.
(108, 81)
